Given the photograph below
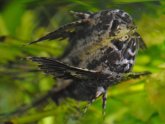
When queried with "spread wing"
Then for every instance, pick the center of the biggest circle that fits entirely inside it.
(66, 31)
(61, 70)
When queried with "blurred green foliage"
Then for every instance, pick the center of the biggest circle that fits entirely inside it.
(140, 101)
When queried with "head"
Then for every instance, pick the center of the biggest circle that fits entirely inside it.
(122, 23)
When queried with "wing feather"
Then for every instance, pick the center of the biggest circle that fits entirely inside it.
(63, 32)
(61, 70)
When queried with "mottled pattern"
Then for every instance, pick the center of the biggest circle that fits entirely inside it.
(101, 51)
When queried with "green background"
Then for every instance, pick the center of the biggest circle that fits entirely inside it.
(140, 101)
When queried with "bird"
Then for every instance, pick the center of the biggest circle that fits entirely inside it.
(101, 53)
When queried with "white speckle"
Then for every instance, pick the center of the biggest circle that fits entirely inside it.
(131, 53)
(86, 15)
(109, 13)
(97, 15)
(134, 44)
(107, 71)
(106, 61)
(116, 10)
(127, 67)
(79, 21)
(131, 61)
(110, 25)
(117, 62)
(93, 100)
(125, 61)
(124, 14)
(100, 90)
